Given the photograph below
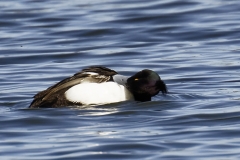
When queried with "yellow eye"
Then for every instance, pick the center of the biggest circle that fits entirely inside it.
(136, 79)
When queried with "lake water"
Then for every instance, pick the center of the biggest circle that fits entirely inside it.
(194, 45)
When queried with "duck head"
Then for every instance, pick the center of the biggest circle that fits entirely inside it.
(146, 84)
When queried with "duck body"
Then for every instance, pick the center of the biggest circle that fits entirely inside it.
(99, 85)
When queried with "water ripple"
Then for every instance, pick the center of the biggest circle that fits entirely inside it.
(193, 45)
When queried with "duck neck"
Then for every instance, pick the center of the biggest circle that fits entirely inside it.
(120, 79)
(142, 97)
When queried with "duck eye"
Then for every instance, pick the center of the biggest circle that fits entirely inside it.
(136, 79)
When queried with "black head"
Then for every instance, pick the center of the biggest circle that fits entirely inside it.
(146, 84)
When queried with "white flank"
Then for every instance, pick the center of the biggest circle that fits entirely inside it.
(98, 93)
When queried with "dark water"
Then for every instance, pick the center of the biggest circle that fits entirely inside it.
(192, 44)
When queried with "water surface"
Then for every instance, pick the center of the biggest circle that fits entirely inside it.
(192, 44)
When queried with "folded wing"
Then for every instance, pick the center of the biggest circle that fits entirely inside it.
(54, 95)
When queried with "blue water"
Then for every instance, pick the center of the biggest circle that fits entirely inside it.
(192, 44)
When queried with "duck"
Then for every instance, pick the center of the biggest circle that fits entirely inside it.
(98, 85)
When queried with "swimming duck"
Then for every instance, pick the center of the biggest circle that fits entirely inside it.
(100, 85)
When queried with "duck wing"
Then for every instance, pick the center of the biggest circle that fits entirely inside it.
(54, 95)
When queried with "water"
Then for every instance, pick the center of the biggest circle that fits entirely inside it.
(192, 44)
